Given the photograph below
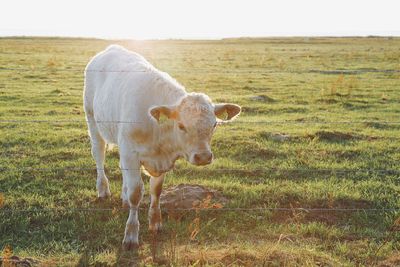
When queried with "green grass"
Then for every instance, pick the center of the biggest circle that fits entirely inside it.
(292, 76)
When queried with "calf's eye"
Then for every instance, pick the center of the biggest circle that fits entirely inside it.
(181, 127)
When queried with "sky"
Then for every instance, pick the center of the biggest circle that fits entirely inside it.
(198, 19)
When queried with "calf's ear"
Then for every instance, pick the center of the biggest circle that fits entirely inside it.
(159, 111)
(227, 112)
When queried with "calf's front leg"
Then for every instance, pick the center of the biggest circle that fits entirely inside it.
(130, 166)
(155, 211)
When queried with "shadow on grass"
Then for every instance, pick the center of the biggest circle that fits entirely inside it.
(151, 251)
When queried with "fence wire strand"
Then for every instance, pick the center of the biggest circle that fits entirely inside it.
(194, 70)
(227, 123)
(255, 170)
(282, 209)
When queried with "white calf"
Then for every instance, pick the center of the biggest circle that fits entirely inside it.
(125, 98)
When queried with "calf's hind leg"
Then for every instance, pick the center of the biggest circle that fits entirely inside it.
(98, 153)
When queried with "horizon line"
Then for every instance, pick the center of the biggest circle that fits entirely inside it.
(199, 38)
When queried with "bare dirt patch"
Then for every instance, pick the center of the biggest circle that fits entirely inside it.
(354, 71)
(251, 150)
(336, 136)
(327, 136)
(279, 137)
(187, 196)
(17, 261)
(333, 136)
(262, 98)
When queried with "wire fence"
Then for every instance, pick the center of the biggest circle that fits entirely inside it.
(208, 70)
(236, 121)
(255, 170)
(283, 209)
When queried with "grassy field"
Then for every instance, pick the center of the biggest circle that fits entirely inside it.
(333, 121)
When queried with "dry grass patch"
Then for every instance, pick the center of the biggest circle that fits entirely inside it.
(261, 254)
(391, 261)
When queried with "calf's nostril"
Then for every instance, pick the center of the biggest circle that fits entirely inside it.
(203, 158)
(196, 157)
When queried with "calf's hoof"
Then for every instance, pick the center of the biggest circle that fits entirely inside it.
(101, 199)
(103, 188)
(131, 238)
(104, 195)
(125, 204)
(155, 224)
(155, 227)
(130, 245)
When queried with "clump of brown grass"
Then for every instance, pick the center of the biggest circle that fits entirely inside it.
(281, 64)
(338, 83)
(195, 226)
(393, 229)
(352, 84)
(52, 62)
(342, 86)
(6, 257)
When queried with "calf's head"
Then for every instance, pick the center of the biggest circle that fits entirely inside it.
(195, 119)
